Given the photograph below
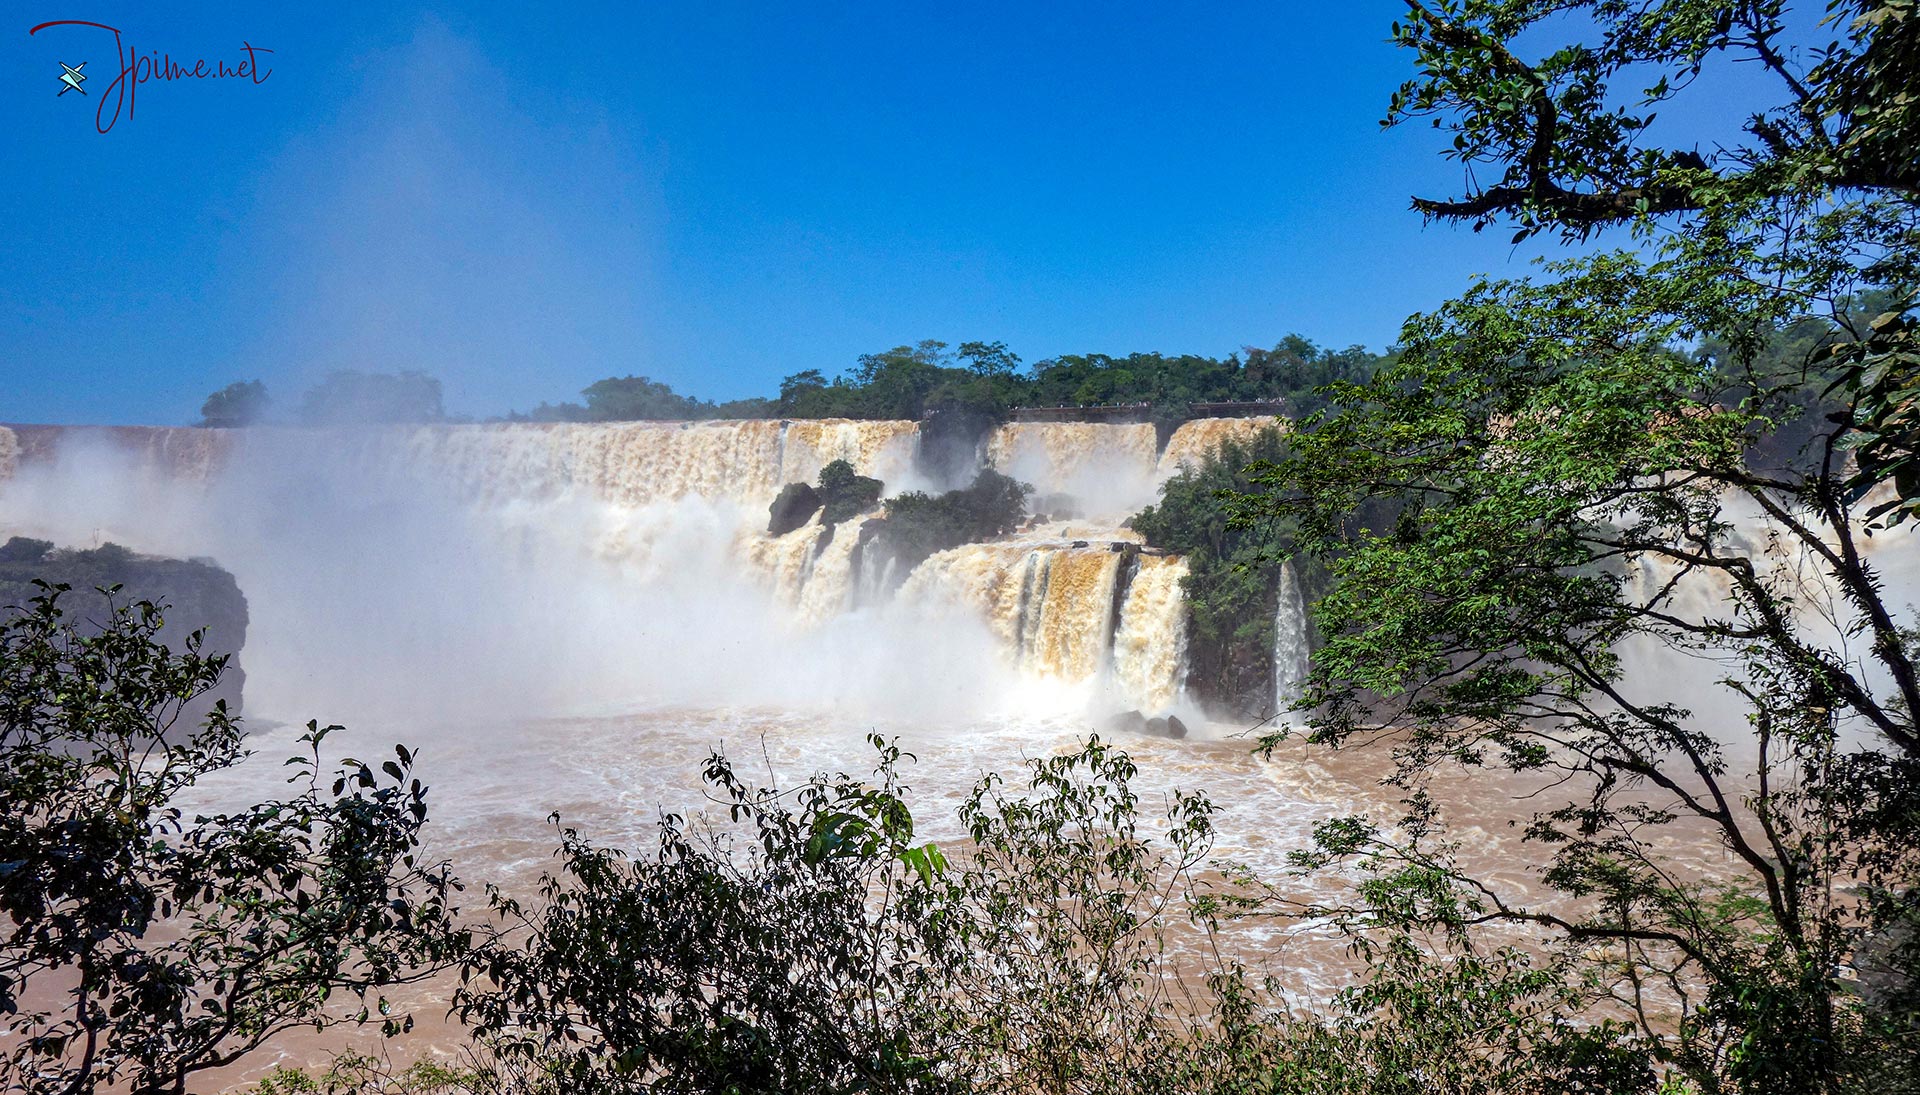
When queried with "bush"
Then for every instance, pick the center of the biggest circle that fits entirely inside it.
(814, 945)
(846, 493)
(241, 403)
(144, 947)
(918, 524)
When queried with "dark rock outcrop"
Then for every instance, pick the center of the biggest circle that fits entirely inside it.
(795, 506)
(951, 439)
(1160, 726)
(196, 592)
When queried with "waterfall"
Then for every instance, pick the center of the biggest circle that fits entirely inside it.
(1290, 648)
(1150, 646)
(432, 519)
(1106, 470)
(1196, 439)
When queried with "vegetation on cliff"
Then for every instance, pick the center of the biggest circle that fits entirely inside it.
(917, 524)
(841, 495)
(845, 493)
(242, 403)
(985, 380)
(1233, 573)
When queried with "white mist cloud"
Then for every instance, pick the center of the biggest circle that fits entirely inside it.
(380, 593)
(435, 225)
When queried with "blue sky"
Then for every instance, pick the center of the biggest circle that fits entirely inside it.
(716, 196)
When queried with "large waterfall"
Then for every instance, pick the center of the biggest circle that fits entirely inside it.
(491, 541)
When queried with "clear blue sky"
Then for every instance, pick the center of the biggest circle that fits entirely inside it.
(521, 198)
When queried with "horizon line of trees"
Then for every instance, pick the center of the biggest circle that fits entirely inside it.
(907, 381)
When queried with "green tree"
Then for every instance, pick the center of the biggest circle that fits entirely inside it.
(918, 524)
(1546, 490)
(1232, 585)
(241, 403)
(635, 398)
(989, 358)
(845, 493)
(141, 945)
(348, 397)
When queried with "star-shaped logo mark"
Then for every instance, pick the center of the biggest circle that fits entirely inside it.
(72, 78)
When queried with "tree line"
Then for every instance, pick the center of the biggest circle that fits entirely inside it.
(906, 382)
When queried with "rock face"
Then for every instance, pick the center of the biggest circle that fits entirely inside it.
(795, 506)
(197, 593)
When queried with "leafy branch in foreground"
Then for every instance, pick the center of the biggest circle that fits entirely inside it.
(1573, 509)
(142, 945)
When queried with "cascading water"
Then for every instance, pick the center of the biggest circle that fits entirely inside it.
(1107, 470)
(1194, 440)
(424, 524)
(1150, 645)
(1290, 648)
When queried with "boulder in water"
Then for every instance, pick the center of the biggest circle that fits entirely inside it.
(1176, 728)
(1157, 726)
(794, 507)
(1128, 722)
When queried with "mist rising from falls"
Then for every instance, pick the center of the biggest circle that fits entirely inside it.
(1109, 470)
(442, 571)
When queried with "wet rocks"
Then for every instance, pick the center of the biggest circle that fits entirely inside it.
(795, 506)
(1159, 726)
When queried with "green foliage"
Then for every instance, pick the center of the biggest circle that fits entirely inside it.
(1569, 133)
(142, 945)
(812, 942)
(986, 379)
(241, 403)
(1233, 572)
(349, 397)
(360, 1074)
(1521, 508)
(778, 955)
(845, 493)
(1561, 479)
(918, 524)
(627, 398)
